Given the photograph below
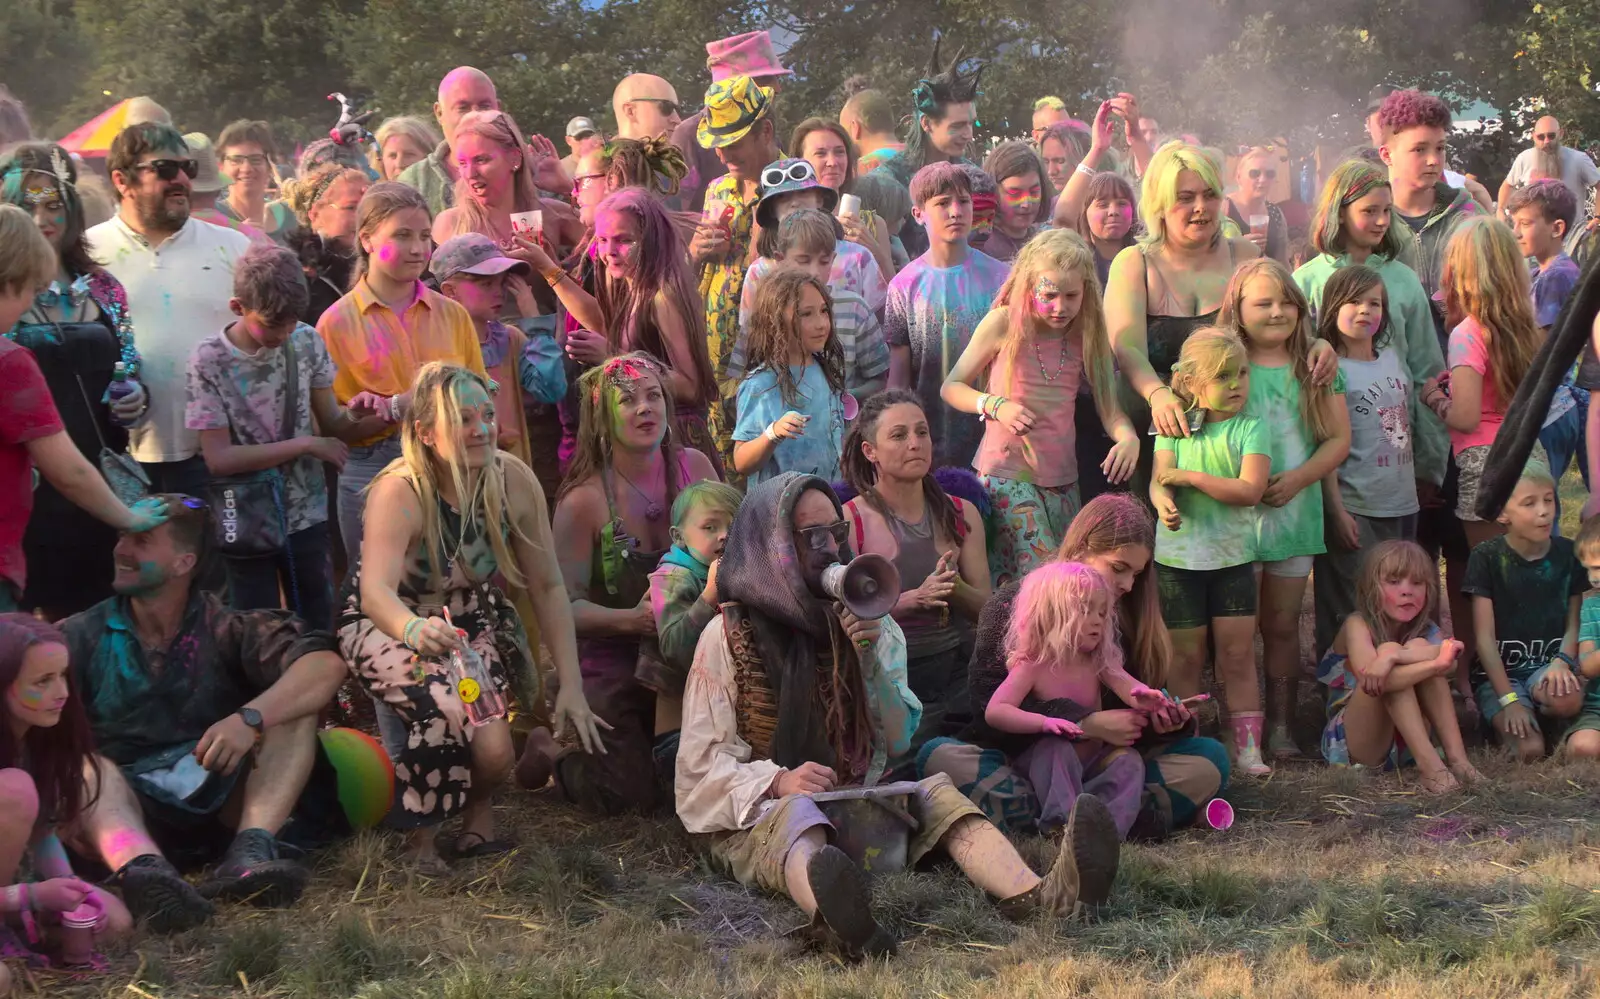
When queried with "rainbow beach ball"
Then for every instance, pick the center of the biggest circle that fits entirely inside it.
(366, 775)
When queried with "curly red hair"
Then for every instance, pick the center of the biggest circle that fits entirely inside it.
(1405, 109)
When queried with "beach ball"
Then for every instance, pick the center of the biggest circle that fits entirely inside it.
(366, 774)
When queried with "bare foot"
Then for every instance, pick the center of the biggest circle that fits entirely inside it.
(537, 764)
(1466, 773)
(423, 856)
(1439, 782)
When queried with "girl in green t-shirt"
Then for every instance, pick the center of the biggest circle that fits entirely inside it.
(1205, 487)
(1310, 436)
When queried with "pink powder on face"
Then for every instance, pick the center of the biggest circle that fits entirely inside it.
(386, 253)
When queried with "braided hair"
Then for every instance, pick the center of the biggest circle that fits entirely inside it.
(862, 475)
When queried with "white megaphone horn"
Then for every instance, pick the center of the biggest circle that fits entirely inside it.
(868, 587)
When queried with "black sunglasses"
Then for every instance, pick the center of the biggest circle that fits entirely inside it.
(816, 538)
(667, 108)
(1257, 174)
(796, 172)
(168, 169)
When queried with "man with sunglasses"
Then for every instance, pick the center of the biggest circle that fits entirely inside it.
(1550, 159)
(205, 721)
(792, 696)
(178, 273)
(646, 107)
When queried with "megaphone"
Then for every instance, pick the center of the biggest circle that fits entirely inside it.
(869, 586)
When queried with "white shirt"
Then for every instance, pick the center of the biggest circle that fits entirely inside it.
(177, 296)
(1578, 172)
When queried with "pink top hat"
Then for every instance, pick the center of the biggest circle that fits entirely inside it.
(749, 54)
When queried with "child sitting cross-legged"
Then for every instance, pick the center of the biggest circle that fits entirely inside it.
(1388, 673)
(1063, 644)
(1526, 589)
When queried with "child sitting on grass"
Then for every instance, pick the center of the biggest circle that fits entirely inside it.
(1388, 673)
(1526, 589)
(683, 595)
(1583, 737)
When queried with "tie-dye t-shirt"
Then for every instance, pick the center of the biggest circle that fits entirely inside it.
(1213, 535)
(934, 311)
(1379, 479)
(1295, 528)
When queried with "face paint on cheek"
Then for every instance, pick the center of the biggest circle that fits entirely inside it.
(1043, 288)
(28, 698)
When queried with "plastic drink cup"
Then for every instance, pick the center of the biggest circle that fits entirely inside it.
(1258, 224)
(1218, 814)
(529, 224)
(850, 406)
(849, 206)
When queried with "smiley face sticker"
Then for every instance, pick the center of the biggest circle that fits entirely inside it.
(468, 690)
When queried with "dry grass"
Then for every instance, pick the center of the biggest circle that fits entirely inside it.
(1333, 882)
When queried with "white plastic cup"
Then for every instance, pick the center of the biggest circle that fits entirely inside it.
(528, 224)
(849, 206)
(1259, 223)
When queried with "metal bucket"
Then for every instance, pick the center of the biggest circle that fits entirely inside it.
(871, 824)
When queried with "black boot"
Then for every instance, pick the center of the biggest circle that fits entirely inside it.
(844, 905)
(157, 895)
(251, 871)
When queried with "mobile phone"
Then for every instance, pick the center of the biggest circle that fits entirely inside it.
(1195, 418)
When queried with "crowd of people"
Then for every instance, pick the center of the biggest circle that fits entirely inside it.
(277, 456)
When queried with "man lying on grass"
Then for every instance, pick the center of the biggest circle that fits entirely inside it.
(791, 695)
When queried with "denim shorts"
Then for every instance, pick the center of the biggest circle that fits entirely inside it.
(1191, 598)
(1489, 701)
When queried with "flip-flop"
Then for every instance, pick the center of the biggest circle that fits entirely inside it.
(481, 848)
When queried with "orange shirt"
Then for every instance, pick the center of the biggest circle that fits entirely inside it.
(374, 350)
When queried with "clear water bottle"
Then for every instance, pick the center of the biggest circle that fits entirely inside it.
(120, 386)
(470, 674)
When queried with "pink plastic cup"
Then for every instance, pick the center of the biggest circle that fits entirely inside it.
(1218, 814)
(77, 932)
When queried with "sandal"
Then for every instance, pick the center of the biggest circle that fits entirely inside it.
(471, 846)
(1440, 782)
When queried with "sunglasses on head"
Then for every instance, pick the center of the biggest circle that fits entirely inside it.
(795, 173)
(1257, 173)
(168, 169)
(816, 538)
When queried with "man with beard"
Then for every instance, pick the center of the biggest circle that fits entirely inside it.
(791, 696)
(1549, 159)
(205, 720)
(178, 273)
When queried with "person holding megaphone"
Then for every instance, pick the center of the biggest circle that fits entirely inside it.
(796, 692)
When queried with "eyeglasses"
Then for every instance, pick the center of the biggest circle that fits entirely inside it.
(1258, 173)
(584, 180)
(243, 159)
(816, 538)
(168, 169)
(1547, 135)
(667, 108)
(797, 172)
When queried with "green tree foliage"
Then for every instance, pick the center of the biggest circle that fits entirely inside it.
(1559, 45)
(42, 56)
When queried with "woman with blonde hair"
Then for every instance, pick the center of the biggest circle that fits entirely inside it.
(400, 142)
(447, 518)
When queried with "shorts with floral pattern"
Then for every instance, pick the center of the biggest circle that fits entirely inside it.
(1029, 523)
(1471, 462)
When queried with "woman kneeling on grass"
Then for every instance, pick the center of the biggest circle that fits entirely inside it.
(441, 520)
(1388, 674)
(45, 759)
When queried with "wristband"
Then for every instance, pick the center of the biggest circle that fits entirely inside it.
(553, 276)
(1152, 395)
(1508, 699)
(405, 634)
(772, 432)
(1085, 169)
(983, 407)
(1571, 663)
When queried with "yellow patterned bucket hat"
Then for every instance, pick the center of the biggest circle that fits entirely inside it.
(733, 106)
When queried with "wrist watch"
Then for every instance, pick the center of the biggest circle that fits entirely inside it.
(252, 718)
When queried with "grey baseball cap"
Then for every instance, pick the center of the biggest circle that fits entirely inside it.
(473, 253)
(580, 126)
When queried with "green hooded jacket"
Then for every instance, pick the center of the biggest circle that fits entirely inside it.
(1412, 336)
